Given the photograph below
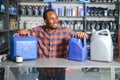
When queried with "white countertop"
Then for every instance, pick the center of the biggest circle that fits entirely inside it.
(60, 62)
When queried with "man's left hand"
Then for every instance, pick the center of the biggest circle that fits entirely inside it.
(81, 35)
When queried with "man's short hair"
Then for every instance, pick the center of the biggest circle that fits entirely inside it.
(45, 13)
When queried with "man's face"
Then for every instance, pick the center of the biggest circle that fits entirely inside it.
(52, 20)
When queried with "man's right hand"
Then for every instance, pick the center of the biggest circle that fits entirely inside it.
(24, 32)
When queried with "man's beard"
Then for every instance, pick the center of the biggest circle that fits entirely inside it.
(51, 27)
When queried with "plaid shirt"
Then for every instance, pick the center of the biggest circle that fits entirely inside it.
(52, 45)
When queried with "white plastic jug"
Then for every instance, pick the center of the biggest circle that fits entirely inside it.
(101, 46)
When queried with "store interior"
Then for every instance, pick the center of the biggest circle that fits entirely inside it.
(79, 15)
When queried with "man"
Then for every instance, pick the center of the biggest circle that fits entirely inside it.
(52, 41)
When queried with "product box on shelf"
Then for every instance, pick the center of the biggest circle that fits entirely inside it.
(86, 1)
(49, 0)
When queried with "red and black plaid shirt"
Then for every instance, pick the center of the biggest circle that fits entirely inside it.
(52, 45)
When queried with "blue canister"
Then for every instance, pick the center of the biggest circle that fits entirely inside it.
(2, 6)
(56, 10)
(69, 11)
(77, 49)
(60, 11)
(35, 10)
(81, 12)
(25, 46)
(42, 10)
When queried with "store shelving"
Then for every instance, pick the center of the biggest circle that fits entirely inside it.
(4, 32)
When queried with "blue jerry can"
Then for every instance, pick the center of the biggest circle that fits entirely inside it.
(77, 49)
(25, 46)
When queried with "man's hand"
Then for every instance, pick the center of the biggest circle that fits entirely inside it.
(68, 70)
(81, 35)
(24, 32)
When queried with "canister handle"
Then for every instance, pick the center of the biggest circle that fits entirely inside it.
(102, 31)
(84, 42)
(18, 34)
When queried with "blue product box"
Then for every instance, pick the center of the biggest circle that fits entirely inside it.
(25, 46)
(77, 49)
(49, 0)
(84, 1)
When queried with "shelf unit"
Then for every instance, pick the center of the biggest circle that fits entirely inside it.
(13, 15)
(4, 31)
(6, 23)
(13, 20)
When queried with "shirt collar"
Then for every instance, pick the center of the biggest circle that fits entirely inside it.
(46, 30)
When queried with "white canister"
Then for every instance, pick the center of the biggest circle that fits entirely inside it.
(19, 59)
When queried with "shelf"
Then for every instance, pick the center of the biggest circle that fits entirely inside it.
(65, 2)
(12, 14)
(90, 32)
(4, 49)
(14, 30)
(32, 3)
(70, 18)
(4, 31)
(3, 12)
(58, 16)
(29, 1)
(56, 2)
(103, 3)
(101, 16)
(29, 16)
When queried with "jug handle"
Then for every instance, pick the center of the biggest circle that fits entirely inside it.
(85, 41)
(80, 42)
(105, 30)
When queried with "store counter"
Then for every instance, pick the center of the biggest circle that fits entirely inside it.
(60, 63)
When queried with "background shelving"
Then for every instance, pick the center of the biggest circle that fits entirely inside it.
(8, 23)
(4, 30)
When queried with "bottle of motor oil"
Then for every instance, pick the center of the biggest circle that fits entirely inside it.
(99, 50)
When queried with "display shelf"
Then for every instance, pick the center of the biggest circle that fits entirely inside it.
(3, 12)
(5, 49)
(4, 30)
